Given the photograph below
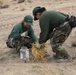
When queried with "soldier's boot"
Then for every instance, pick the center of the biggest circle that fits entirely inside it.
(62, 56)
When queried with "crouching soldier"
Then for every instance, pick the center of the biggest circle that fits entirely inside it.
(22, 34)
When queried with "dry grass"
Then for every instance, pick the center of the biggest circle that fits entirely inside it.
(38, 53)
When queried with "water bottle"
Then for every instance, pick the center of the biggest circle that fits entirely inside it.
(24, 53)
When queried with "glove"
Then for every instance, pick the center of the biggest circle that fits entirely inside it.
(38, 45)
(23, 34)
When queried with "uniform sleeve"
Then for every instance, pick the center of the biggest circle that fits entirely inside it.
(45, 31)
(15, 33)
(32, 35)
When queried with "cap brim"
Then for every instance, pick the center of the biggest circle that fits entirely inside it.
(29, 23)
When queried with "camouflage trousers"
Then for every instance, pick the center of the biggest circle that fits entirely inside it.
(18, 43)
(58, 37)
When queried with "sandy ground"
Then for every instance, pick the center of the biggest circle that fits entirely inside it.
(10, 64)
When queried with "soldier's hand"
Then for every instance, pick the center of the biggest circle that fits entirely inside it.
(38, 45)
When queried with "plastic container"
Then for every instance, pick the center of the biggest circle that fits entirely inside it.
(24, 53)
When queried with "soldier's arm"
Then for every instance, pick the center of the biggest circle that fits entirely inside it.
(32, 34)
(15, 34)
(45, 31)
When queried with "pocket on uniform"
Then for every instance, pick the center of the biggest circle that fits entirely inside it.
(72, 21)
(9, 43)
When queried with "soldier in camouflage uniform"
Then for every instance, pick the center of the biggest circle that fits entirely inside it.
(22, 34)
(54, 26)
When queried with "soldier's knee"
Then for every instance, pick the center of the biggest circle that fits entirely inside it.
(9, 43)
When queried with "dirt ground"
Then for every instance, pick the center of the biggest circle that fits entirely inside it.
(10, 63)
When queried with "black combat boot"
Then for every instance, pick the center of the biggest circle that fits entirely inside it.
(62, 56)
